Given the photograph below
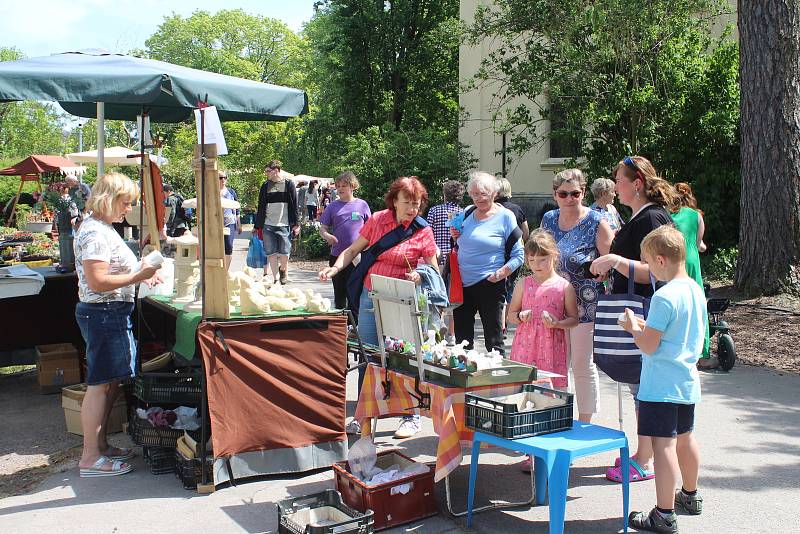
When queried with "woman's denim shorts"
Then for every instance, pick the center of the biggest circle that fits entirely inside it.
(107, 330)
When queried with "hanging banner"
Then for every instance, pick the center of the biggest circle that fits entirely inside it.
(213, 130)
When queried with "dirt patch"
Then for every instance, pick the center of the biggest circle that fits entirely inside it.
(766, 330)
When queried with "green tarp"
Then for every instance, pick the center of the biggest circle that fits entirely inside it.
(169, 93)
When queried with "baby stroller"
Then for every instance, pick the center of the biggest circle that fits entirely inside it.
(726, 350)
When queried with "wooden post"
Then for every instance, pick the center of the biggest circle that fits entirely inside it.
(148, 197)
(212, 240)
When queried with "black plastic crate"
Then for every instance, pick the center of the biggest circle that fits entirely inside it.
(160, 459)
(143, 433)
(188, 469)
(491, 416)
(296, 515)
(180, 386)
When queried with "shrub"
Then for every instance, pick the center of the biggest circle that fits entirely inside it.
(721, 265)
(310, 244)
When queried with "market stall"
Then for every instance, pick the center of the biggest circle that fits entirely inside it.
(274, 384)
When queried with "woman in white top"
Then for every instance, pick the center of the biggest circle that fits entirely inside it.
(107, 276)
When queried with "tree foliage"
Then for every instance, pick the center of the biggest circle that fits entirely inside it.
(621, 77)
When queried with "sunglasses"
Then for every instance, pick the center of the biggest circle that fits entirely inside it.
(574, 194)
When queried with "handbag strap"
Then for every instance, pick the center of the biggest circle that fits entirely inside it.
(632, 273)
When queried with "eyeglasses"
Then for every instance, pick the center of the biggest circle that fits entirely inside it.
(574, 194)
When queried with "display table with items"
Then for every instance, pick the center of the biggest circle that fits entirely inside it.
(275, 385)
(41, 317)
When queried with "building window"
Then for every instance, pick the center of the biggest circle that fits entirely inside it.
(564, 139)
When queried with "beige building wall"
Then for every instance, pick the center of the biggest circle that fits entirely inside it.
(530, 175)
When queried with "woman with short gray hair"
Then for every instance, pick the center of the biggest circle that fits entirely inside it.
(489, 250)
(603, 191)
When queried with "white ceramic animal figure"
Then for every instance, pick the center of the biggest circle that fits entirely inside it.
(276, 291)
(280, 303)
(318, 304)
(297, 296)
(253, 302)
(234, 287)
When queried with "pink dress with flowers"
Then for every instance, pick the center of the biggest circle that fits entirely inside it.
(534, 343)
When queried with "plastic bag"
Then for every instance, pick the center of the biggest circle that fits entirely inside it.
(362, 457)
(256, 255)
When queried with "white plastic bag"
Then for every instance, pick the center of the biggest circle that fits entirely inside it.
(362, 458)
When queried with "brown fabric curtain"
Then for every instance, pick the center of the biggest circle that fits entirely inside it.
(275, 383)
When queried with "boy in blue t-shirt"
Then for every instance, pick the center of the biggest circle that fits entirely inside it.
(671, 341)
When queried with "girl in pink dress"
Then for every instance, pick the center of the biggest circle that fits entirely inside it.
(544, 306)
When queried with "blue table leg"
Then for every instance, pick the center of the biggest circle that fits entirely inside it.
(473, 474)
(541, 473)
(624, 455)
(558, 481)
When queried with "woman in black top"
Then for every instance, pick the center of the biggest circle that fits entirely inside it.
(650, 198)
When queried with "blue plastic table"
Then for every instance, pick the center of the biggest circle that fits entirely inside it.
(552, 454)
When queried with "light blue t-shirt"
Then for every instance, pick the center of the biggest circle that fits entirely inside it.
(482, 246)
(678, 310)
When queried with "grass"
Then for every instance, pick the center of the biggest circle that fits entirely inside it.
(14, 369)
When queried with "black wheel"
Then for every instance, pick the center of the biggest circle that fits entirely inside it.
(726, 352)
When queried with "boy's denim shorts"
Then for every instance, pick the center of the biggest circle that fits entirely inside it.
(107, 329)
(665, 419)
(276, 240)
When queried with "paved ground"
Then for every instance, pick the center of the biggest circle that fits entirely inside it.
(748, 426)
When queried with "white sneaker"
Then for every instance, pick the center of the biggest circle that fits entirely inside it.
(407, 428)
(450, 339)
(353, 427)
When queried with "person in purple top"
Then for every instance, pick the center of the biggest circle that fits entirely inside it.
(339, 226)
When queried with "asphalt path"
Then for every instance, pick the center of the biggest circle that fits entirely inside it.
(748, 427)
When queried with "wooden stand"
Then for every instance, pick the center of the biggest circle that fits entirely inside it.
(210, 223)
(148, 196)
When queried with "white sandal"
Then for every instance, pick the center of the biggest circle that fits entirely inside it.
(118, 467)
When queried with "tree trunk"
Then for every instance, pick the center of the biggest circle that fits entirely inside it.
(769, 235)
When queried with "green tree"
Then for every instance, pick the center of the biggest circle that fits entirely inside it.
(621, 77)
(235, 43)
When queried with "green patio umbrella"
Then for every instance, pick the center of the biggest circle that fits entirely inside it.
(98, 84)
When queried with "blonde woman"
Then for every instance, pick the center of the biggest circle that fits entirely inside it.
(107, 276)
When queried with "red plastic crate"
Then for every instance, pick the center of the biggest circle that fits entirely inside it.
(389, 510)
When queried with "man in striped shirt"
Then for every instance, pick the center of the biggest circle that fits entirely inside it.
(275, 218)
(453, 192)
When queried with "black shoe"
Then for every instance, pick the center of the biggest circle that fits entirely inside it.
(691, 504)
(284, 279)
(654, 522)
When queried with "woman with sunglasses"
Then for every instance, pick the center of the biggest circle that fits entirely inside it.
(582, 235)
(650, 198)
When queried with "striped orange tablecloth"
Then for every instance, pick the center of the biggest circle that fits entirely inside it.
(446, 411)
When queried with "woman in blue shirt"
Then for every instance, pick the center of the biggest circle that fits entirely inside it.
(487, 231)
(582, 235)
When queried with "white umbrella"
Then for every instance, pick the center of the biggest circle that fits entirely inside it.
(115, 155)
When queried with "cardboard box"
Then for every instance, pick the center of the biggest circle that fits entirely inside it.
(71, 401)
(58, 365)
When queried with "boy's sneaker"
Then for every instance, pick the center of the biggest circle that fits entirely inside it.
(691, 504)
(654, 522)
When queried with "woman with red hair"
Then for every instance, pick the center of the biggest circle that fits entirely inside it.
(391, 243)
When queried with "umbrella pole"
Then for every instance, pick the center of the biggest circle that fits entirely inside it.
(101, 139)
(202, 210)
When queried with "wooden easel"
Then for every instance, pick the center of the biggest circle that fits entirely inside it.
(212, 240)
(22, 179)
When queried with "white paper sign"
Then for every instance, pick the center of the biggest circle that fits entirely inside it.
(213, 129)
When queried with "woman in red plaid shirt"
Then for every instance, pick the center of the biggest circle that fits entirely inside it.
(406, 199)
